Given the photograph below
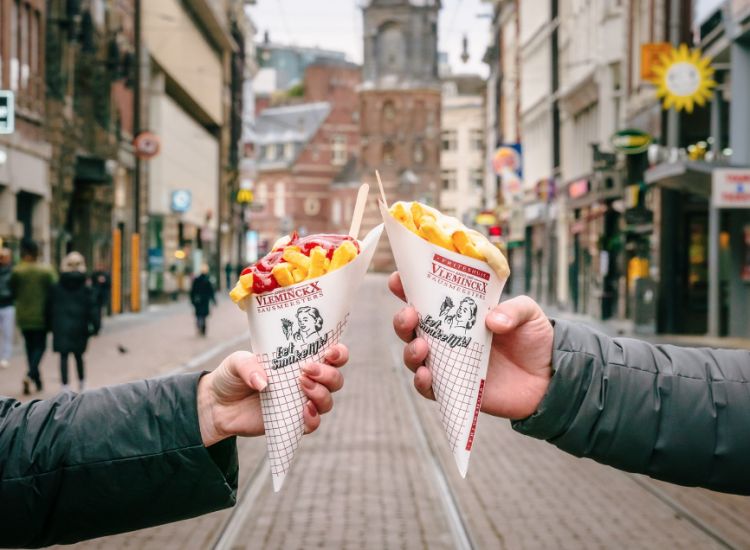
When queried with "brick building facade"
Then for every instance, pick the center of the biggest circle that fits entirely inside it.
(400, 106)
(302, 148)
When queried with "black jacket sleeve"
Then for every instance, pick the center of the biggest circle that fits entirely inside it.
(107, 461)
(677, 414)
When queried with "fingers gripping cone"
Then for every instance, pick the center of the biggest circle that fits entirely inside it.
(452, 294)
(294, 325)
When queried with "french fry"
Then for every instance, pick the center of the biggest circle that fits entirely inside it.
(404, 216)
(420, 215)
(283, 274)
(465, 246)
(246, 281)
(317, 262)
(433, 233)
(293, 255)
(343, 254)
(298, 275)
(238, 295)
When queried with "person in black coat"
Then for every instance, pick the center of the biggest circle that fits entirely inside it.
(73, 315)
(201, 295)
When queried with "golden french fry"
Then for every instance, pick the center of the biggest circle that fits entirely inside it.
(298, 275)
(317, 262)
(433, 233)
(402, 215)
(326, 265)
(246, 281)
(343, 254)
(293, 255)
(238, 295)
(420, 215)
(465, 246)
(283, 274)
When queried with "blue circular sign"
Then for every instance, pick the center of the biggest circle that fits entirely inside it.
(181, 200)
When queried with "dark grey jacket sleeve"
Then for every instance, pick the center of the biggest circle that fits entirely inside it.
(677, 414)
(107, 461)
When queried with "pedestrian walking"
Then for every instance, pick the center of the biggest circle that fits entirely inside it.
(74, 316)
(202, 295)
(30, 283)
(229, 274)
(7, 310)
(101, 285)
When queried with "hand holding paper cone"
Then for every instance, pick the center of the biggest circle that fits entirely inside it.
(519, 369)
(297, 300)
(452, 276)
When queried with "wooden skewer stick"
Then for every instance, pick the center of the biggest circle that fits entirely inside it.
(382, 190)
(359, 210)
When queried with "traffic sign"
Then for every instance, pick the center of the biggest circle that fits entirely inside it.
(7, 112)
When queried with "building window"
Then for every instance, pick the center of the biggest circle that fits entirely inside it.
(14, 64)
(449, 140)
(389, 154)
(289, 151)
(477, 140)
(389, 111)
(279, 151)
(418, 153)
(279, 206)
(477, 178)
(336, 212)
(268, 152)
(449, 180)
(338, 151)
(261, 197)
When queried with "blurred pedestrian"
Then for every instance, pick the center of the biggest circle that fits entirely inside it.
(202, 295)
(126, 457)
(30, 283)
(7, 311)
(74, 315)
(229, 274)
(101, 285)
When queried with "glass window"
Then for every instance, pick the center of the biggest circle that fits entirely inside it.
(339, 153)
(279, 203)
(389, 154)
(449, 140)
(477, 178)
(14, 64)
(448, 178)
(477, 140)
(289, 151)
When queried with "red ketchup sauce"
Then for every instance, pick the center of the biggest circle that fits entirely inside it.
(264, 281)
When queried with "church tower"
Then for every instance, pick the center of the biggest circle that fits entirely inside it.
(400, 105)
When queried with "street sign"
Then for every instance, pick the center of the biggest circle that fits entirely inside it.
(181, 200)
(7, 112)
(651, 57)
(244, 196)
(731, 188)
(147, 145)
(631, 141)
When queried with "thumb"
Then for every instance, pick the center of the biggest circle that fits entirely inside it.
(512, 313)
(243, 365)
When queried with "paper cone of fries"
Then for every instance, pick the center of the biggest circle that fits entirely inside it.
(452, 294)
(294, 325)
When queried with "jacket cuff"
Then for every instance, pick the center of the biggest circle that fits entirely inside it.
(571, 377)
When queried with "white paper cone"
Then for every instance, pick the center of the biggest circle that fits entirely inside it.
(290, 327)
(452, 294)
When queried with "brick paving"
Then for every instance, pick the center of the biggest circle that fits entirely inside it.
(359, 482)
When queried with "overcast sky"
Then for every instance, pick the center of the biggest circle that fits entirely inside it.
(337, 25)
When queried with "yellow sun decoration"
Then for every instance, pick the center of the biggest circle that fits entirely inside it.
(684, 79)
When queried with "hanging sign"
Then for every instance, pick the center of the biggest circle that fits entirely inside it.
(631, 142)
(684, 79)
(147, 145)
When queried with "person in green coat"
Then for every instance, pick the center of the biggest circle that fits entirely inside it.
(672, 413)
(30, 285)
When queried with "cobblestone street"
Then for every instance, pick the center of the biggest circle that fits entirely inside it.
(379, 474)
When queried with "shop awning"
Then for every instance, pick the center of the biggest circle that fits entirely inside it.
(688, 176)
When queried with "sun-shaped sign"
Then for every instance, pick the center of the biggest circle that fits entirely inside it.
(684, 78)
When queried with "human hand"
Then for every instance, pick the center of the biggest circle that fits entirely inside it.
(520, 364)
(229, 397)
